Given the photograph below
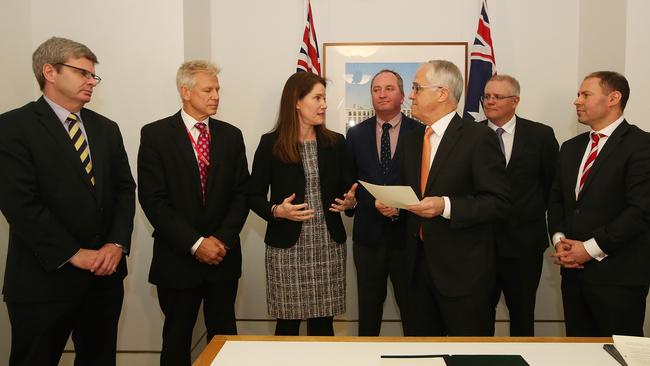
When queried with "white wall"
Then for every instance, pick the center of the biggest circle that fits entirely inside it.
(141, 43)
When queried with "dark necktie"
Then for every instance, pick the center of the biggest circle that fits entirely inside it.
(500, 132)
(385, 148)
(203, 155)
(80, 144)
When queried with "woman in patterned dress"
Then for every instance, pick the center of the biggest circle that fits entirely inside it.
(309, 173)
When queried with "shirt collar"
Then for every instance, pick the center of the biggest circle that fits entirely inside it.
(189, 121)
(393, 122)
(607, 131)
(509, 126)
(61, 113)
(440, 126)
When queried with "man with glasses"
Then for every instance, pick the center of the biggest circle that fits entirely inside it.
(457, 169)
(68, 195)
(378, 240)
(530, 150)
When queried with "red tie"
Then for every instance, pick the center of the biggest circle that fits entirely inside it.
(593, 152)
(203, 155)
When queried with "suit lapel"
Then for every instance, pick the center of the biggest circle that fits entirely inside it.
(573, 166)
(519, 141)
(56, 129)
(612, 143)
(371, 146)
(447, 143)
(180, 139)
(217, 153)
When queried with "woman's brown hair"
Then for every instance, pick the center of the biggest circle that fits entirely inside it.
(287, 126)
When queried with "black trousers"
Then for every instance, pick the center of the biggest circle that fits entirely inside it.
(518, 279)
(181, 307)
(39, 331)
(315, 327)
(374, 265)
(594, 310)
(429, 313)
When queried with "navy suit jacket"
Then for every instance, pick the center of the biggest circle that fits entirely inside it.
(613, 206)
(51, 206)
(370, 225)
(469, 168)
(530, 171)
(170, 194)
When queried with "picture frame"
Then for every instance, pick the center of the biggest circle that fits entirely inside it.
(349, 68)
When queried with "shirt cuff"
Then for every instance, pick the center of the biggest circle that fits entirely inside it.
(594, 250)
(64, 263)
(446, 212)
(557, 237)
(196, 245)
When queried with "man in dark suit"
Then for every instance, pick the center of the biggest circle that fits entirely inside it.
(599, 214)
(192, 175)
(530, 149)
(458, 171)
(68, 195)
(378, 240)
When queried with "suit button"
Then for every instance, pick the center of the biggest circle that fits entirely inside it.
(576, 211)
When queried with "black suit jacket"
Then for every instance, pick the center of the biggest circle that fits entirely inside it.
(613, 206)
(170, 194)
(52, 208)
(369, 224)
(530, 171)
(469, 168)
(285, 179)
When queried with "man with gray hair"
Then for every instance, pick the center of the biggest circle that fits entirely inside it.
(456, 168)
(67, 192)
(193, 173)
(530, 149)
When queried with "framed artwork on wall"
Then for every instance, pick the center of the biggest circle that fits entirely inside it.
(349, 68)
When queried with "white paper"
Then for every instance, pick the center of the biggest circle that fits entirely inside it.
(428, 361)
(635, 350)
(392, 196)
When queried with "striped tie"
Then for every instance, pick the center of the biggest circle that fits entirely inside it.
(80, 144)
(593, 153)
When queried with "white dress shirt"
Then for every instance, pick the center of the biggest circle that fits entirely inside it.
(508, 136)
(190, 125)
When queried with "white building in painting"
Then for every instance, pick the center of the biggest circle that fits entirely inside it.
(359, 113)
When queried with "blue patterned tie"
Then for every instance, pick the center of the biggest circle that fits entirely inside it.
(385, 148)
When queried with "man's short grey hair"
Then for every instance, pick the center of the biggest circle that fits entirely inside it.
(445, 73)
(56, 51)
(185, 74)
(514, 84)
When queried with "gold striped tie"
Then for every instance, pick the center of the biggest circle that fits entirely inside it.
(80, 144)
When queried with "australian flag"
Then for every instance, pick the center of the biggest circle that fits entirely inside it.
(482, 66)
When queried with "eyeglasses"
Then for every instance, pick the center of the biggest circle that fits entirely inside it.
(85, 73)
(417, 87)
(497, 97)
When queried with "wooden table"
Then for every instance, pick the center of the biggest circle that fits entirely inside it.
(213, 348)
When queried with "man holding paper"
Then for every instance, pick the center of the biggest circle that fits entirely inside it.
(458, 170)
(378, 240)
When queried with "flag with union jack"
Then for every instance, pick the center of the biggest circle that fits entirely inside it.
(482, 67)
(309, 57)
